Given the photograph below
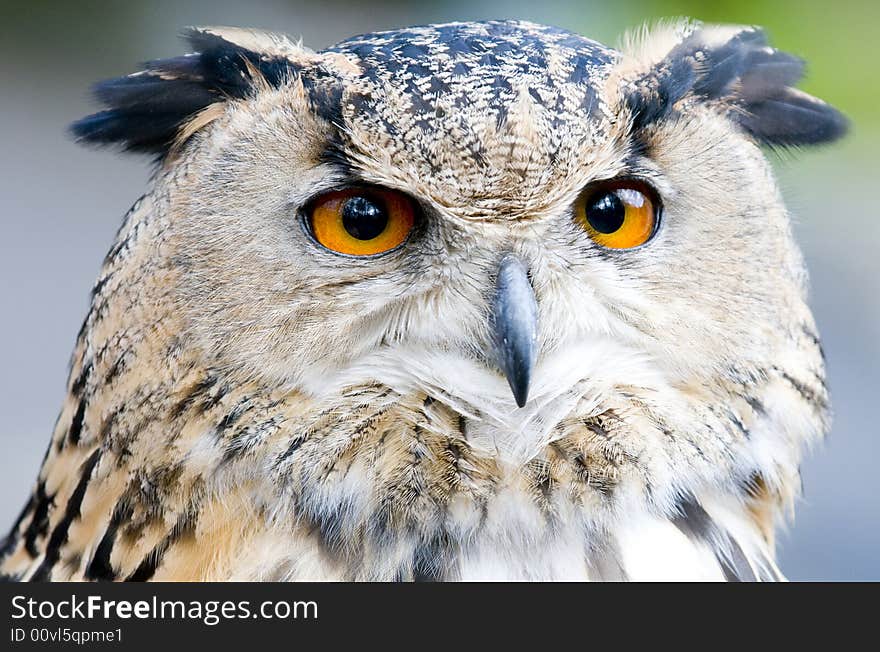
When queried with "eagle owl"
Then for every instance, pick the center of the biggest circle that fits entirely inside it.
(471, 301)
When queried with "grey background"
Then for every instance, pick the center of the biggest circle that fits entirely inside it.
(60, 206)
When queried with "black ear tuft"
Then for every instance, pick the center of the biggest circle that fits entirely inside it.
(146, 110)
(744, 76)
(793, 118)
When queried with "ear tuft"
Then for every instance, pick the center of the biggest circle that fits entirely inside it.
(735, 69)
(146, 111)
(792, 118)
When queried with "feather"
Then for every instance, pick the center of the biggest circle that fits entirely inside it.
(146, 111)
(752, 82)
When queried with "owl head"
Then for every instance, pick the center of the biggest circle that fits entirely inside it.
(514, 220)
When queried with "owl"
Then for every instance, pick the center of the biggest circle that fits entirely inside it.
(469, 301)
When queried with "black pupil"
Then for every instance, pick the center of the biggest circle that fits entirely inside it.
(364, 217)
(606, 212)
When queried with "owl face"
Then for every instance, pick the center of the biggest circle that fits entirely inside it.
(516, 221)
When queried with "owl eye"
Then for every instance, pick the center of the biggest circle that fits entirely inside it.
(361, 221)
(619, 214)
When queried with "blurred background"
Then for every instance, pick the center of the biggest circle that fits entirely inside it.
(60, 206)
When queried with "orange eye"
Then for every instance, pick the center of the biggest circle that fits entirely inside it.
(362, 221)
(618, 215)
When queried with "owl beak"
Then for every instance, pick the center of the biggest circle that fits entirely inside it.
(514, 322)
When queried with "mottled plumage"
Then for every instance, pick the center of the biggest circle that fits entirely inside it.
(244, 404)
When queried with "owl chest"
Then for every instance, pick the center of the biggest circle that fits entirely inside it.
(515, 552)
(514, 543)
(435, 509)
(507, 536)
(505, 528)
(529, 555)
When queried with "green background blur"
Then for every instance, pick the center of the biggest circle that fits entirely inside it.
(60, 206)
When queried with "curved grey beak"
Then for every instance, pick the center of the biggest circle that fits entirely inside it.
(515, 326)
